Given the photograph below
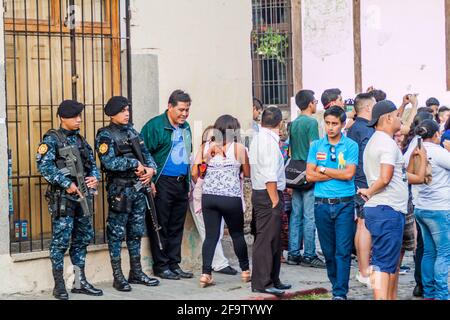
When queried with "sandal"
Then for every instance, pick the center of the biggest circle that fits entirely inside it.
(206, 280)
(246, 276)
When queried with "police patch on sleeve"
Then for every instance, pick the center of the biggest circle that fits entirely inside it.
(43, 148)
(103, 148)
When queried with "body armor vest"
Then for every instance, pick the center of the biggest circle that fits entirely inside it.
(62, 142)
(123, 148)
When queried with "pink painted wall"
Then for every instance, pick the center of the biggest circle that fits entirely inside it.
(403, 47)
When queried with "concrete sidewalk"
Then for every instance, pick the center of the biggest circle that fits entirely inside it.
(231, 288)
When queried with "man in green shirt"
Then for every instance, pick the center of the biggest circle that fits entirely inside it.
(304, 130)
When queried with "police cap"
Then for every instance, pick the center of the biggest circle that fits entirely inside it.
(70, 109)
(116, 105)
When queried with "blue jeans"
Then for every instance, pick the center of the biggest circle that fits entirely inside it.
(336, 229)
(302, 224)
(435, 227)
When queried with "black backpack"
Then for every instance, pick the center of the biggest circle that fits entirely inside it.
(295, 171)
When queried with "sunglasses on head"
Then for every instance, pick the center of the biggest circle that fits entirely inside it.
(333, 153)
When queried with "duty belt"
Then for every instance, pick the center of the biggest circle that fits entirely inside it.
(334, 200)
(129, 182)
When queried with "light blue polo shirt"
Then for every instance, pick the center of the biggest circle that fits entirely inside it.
(346, 154)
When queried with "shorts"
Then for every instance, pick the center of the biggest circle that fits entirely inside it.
(386, 228)
(408, 234)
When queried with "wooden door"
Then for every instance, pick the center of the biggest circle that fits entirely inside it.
(55, 50)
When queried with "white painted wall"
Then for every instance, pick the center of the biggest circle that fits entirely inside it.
(328, 58)
(403, 48)
(203, 47)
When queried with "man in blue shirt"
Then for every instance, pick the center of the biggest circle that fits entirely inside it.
(361, 133)
(332, 165)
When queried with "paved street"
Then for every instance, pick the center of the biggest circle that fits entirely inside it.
(230, 287)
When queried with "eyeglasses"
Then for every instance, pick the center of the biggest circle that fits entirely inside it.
(333, 153)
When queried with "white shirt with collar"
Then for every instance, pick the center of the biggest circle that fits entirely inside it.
(266, 160)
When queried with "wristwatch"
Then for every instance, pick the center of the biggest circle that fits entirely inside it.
(322, 170)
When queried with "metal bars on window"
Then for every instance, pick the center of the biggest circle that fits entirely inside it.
(56, 50)
(271, 42)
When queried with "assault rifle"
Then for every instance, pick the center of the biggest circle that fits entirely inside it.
(135, 144)
(74, 167)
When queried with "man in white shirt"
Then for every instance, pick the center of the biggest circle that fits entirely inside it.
(387, 198)
(268, 182)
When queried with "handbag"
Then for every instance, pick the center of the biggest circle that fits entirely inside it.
(295, 171)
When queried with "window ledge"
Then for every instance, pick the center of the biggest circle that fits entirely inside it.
(29, 256)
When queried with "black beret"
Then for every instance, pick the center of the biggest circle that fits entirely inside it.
(70, 109)
(116, 105)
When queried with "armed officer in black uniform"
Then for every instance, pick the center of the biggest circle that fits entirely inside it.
(66, 161)
(128, 179)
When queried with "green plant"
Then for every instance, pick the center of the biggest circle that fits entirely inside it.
(272, 45)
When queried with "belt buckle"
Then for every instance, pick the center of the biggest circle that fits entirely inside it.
(332, 201)
(180, 178)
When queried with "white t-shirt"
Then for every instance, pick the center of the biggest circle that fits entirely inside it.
(382, 149)
(435, 196)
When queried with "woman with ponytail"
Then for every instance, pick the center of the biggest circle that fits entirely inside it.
(432, 210)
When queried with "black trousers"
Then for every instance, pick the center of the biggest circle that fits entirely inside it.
(171, 203)
(230, 208)
(267, 245)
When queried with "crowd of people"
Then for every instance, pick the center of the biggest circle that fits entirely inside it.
(368, 183)
(377, 185)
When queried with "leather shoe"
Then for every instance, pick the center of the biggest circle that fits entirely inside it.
(418, 291)
(271, 290)
(282, 286)
(167, 274)
(228, 270)
(182, 274)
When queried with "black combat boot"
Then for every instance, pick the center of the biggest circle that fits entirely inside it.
(137, 276)
(59, 292)
(82, 286)
(120, 283)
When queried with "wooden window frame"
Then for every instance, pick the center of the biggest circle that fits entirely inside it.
(357, 45)
(257, 68)
(33, 25)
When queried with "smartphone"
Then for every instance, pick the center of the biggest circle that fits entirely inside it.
(419, 143)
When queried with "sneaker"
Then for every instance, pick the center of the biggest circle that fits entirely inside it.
(294, 260)
(364, 280)
(313, 262)
(404, 270)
